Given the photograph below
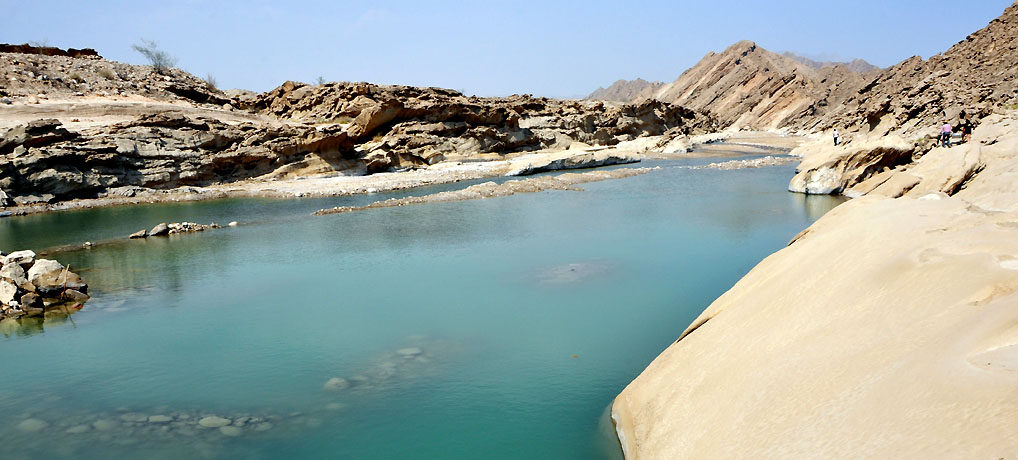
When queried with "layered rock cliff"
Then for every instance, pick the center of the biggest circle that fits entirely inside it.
(86, 127)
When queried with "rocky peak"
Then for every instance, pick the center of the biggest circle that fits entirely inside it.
(626, 91)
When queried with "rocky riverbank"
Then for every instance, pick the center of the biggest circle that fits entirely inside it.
(35, 287)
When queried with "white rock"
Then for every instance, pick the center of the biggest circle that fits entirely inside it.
(232, 224)
(8, 291)
(20, 257)
(14, 272)
(160, 419)
(43, 267)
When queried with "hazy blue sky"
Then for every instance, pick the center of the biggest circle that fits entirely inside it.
(548, 48)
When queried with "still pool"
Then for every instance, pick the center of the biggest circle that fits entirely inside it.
(498, 328)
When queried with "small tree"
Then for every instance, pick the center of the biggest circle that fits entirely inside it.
(320, 81)
(161, 60)
(210, 82)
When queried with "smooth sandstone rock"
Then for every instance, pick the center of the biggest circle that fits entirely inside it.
(885, 330)
(139, 234)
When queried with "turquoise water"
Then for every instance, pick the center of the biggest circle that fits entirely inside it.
(498, 328)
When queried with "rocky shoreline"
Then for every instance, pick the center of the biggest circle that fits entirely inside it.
(31, 287)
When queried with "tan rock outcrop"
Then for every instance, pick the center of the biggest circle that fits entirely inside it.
(827, 169)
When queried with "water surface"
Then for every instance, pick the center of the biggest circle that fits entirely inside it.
(498, 328)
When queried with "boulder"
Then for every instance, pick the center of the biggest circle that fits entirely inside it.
(14, 273)
(50, 278)
(25, 257)
(159, 230)
(8, 292)
(139, 234)
(73, 296)
(31, 300)
(42, 267)
(5, 200)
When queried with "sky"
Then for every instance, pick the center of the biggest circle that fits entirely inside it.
(488, 48)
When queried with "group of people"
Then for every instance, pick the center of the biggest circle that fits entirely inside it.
(964, 127)
(946, 131)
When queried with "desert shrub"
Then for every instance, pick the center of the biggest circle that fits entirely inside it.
(106, 73)
(161, 61)
(75, 76)
(210, 82)
(320, 80)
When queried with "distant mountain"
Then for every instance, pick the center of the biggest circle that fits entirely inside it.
(626, 90)
(746, 86)
(855, 65)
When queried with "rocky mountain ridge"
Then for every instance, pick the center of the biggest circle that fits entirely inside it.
(626, 90)
(855, 65)
(748, 87)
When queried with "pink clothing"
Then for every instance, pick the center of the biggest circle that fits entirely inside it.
(946, 128)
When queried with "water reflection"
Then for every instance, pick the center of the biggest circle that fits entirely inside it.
(816, 205)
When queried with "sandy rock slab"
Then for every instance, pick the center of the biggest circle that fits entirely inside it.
(886, 330)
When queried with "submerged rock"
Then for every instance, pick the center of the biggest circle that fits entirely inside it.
(214, 421)
(32, 425)
(231, 430)
(336, 384)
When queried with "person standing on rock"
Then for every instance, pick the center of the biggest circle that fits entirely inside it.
(964, 126)
(945, 134)
(835, 137)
